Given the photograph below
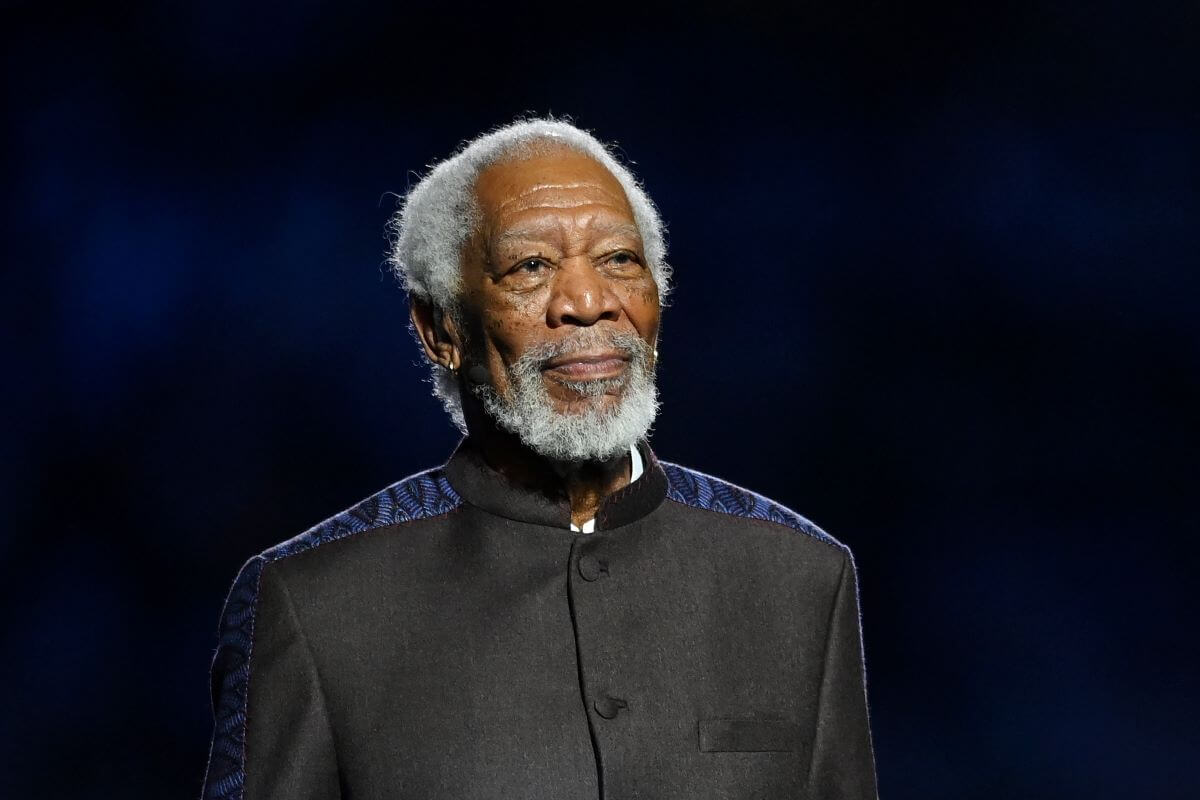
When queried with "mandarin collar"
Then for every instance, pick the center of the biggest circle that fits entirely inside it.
(483, 487)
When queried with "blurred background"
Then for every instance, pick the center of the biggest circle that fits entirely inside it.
(937, 290)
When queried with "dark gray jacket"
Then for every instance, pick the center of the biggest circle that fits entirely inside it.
(449, 637)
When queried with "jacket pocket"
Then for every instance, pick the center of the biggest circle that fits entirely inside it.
(749, 736)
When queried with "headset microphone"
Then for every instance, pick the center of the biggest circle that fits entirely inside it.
(478, 374)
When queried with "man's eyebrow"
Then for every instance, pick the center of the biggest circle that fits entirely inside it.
(519, 234)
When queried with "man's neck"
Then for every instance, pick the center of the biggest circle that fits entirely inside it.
(585, 484)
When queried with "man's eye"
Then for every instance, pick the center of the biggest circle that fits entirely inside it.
(530, 265)
(622, 258)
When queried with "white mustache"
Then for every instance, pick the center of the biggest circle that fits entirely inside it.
(629, 344)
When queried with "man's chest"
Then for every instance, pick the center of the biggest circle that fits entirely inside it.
(493, 656)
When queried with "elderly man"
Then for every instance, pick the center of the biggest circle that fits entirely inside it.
(555, 612)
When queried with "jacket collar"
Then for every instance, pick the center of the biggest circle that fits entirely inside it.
(483, 487)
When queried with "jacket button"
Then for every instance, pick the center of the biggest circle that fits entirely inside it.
(608, 707)
(592, 568)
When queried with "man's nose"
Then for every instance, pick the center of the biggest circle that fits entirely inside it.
(581, 296)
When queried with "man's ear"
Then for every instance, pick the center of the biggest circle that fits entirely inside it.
(437, 332)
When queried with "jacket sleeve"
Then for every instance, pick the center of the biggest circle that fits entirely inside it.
(843, 761)
(271, 737)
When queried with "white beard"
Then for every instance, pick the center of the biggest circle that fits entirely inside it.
(600, 430)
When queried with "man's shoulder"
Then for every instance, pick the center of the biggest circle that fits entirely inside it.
(699, 490)
(425, 495)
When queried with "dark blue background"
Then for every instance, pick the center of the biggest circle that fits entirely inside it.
(936, 290)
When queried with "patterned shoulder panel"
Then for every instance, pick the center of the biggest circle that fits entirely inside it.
(424, 495)
(698, 490)
(421, 496)
(230, 678)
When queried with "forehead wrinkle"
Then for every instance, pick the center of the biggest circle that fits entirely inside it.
(594, 224)
(529, 192)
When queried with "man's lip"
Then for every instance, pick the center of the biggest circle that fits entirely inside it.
(595, 357)
(600, 364)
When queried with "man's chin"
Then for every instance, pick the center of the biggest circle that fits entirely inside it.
(576, 405)
(568, 396)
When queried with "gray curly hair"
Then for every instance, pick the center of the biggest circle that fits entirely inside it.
(438, 215)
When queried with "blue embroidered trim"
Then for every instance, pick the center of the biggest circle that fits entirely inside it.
(226, 760)
(424, 495)
(698, 490)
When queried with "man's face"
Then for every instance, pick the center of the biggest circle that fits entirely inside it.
(558, 268)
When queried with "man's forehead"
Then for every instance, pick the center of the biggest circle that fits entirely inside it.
(567, 194)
